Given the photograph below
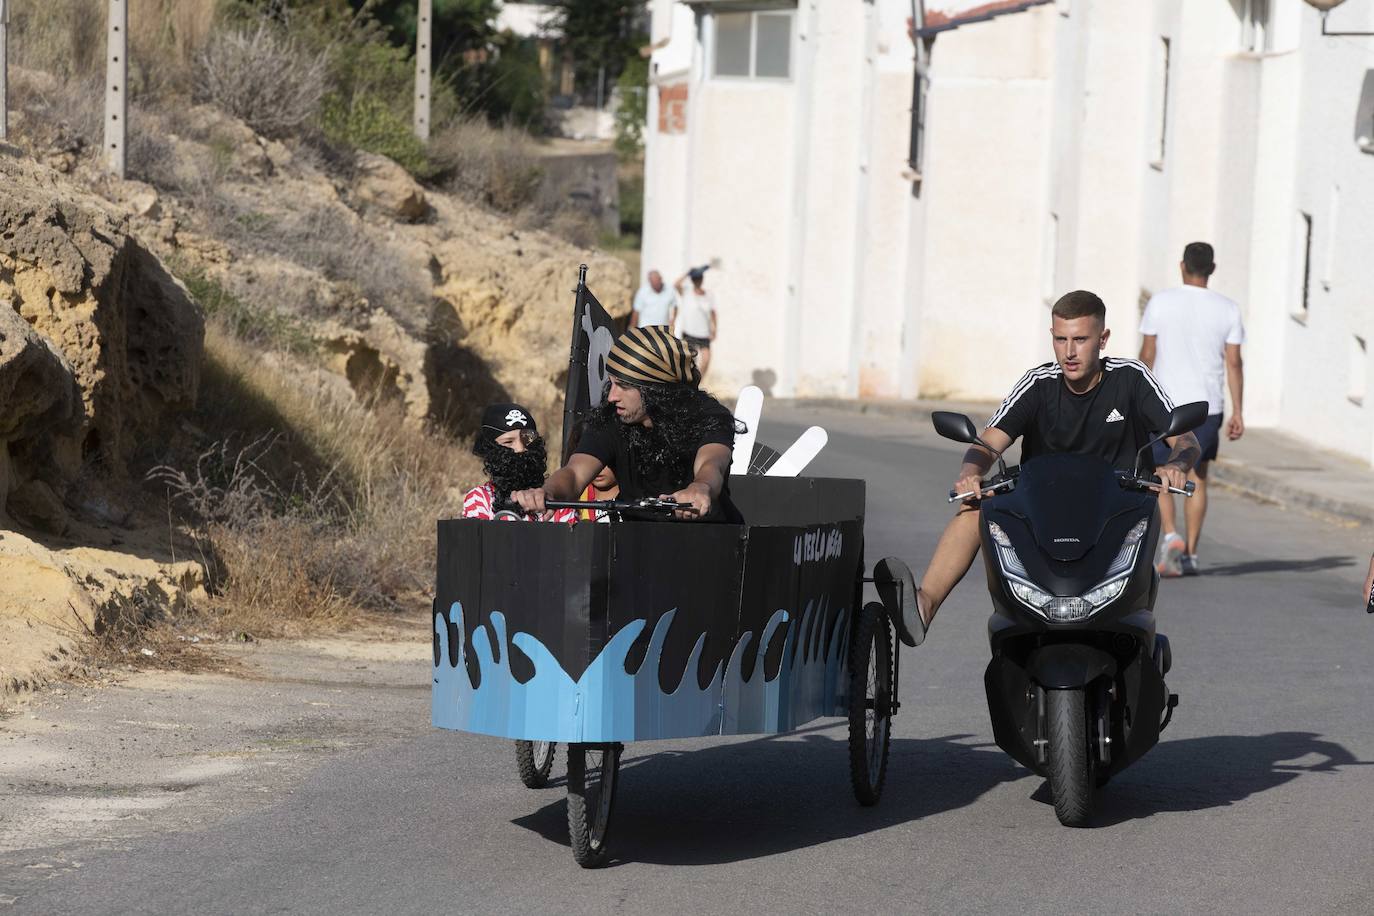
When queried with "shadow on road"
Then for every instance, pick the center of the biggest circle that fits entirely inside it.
(1199, 773)
(1313, 564)
(735, 802)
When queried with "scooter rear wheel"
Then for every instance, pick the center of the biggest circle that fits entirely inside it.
(1072, 764)
(593, 773)
(534, 761)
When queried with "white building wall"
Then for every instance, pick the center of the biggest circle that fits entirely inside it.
(985, 194)
(1042, 173)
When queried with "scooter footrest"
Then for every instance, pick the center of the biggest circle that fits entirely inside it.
(1169, 708)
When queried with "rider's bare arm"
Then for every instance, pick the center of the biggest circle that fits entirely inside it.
(1185, 454)
(708, 479)
(977, 460)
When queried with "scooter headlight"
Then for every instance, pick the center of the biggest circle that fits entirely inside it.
(1029, 595)
(1125, 557)
(1006, 555)
(1106, 592)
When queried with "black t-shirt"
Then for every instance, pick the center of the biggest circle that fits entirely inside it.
(608, 445)
(1114, 420)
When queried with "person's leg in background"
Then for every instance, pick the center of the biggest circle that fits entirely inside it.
(1172, 547)
(1195, 508)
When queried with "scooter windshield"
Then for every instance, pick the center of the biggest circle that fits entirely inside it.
(1067, 500)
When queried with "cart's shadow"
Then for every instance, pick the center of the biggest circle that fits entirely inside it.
(739, 801)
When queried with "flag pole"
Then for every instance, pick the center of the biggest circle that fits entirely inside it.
(577, 368)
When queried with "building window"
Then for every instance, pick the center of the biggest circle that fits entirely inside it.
(1256, 26)
(1159, 105)
(1302, 265)
(753, 45)
(1359, 368)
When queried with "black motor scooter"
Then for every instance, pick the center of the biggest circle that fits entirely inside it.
(1076, 686)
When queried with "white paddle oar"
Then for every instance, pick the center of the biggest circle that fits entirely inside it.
(748, 409)
(793, 461)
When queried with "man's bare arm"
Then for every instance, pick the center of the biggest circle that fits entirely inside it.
(977, 460)
(564, 484)
(1235, 380)
(1147, 350)
(709, 469)
(1186, 452)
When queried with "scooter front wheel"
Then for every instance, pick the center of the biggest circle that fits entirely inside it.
(593, 772)
(1072, 764)
(534, 762)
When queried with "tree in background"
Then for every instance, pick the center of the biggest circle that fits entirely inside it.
(599, 34)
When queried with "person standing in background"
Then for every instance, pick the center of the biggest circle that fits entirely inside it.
(696, 316)
(654, 302)
(1190, 338)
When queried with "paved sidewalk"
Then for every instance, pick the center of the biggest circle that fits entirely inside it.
(1265, 463)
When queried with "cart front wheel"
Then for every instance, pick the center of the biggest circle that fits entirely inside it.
(534, 759)
(870, 703)
(593, 772)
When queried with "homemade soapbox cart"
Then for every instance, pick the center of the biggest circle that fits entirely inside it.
(593, 635)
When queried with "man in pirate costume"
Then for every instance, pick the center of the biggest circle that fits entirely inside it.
(514, 457)
(659, 433)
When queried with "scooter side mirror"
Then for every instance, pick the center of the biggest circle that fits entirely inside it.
(954, 426)
(1184, 418)
(1187, 417)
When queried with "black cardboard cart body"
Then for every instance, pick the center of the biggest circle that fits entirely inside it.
(640, 630)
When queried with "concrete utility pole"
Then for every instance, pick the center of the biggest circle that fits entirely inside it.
(423, 54)
(116, 85)
(4, 71)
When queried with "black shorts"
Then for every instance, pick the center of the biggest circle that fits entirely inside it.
(701, 343)
(1208, 436)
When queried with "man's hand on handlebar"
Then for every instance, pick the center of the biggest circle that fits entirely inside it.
(973, 485)
(695, 495)
(531, 500)
(1170, 475)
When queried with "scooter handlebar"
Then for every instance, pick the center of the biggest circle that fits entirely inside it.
(1000, 485)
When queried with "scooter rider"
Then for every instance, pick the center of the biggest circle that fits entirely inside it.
(659, 433)
(1080, 403)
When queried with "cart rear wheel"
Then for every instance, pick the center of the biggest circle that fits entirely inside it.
(593, 772)
(534, 759)
(870, 703)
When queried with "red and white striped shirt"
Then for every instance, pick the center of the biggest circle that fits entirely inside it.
(477, 503)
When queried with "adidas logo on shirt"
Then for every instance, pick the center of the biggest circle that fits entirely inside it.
(1115, 416)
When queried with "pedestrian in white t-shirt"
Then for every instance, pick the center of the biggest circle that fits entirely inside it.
(1190, 338)
(655, 302)
(696, 316)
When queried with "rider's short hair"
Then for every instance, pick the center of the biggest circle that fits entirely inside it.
(1197, 259)
(1080, 304)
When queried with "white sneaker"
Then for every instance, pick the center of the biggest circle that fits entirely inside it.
(1169, 559)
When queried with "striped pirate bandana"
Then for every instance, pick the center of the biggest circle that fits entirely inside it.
(652, 356)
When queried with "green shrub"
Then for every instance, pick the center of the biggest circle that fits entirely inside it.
(247, 322)
(367, 122)
(633, 111)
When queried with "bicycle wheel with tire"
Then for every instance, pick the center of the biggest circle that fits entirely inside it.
(1071, 760)
(870, 703)
(534, 760)
(593, 772)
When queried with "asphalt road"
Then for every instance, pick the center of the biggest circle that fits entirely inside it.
(1257, 800)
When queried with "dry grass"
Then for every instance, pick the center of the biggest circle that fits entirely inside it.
(67, 39)
(262, 77)
(497, 166)
(329, 518)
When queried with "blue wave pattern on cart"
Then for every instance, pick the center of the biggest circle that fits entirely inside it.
(608, 704)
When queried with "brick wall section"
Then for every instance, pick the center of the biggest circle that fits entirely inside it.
(672, 109)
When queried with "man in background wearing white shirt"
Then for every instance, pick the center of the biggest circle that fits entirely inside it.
(655, 302)
(1190, 338)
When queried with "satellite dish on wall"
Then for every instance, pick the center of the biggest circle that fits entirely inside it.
(1324, 5)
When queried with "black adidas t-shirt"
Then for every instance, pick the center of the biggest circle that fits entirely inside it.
(607, 444)
(1114, 420)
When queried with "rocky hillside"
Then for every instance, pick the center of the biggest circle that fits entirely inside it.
(341, 278)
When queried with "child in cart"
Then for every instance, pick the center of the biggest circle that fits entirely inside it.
(514, 457)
